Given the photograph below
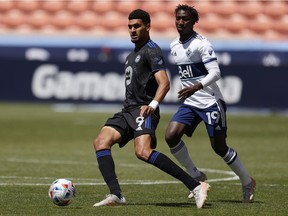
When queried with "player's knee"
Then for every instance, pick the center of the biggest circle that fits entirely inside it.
(100, 142)
(220, 148)
(142, 154)
(96, 143)
(171, 138)
(219, 145)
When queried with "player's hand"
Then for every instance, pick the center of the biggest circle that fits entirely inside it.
(188, 91)
(146, 111)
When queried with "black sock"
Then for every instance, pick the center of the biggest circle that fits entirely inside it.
(107, 169)
(164, 163)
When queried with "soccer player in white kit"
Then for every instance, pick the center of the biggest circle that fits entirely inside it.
(202, 100)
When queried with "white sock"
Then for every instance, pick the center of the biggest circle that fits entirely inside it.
(180, 152)
(234, 162)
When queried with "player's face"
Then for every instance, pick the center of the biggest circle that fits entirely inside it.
(138, 31)
(183, 21)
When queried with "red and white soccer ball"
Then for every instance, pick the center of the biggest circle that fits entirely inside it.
(62, 192)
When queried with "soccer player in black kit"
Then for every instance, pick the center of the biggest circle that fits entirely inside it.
(146, 83)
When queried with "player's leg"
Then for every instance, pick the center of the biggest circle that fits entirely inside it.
(107, 137)
(144, 152)
(233, 160)
(217, 128)
(174, 132)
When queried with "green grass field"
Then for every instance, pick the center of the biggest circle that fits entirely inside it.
(38, 145)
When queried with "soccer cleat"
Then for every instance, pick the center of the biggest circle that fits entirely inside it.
(201, 178)
(249, 192)
(111, 200)
(200, 193)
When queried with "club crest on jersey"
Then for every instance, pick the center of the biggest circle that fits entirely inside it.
(174, 53)
(188, 52)
(137, 59)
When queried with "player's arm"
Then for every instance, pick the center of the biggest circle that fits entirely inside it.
(209, 58)
(163, 87)
(213, 73)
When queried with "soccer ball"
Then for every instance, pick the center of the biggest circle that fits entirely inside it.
(62, 192)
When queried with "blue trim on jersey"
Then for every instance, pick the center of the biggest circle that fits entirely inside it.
(187, 71)
(153, 157)
(102, 153)
(148, 122)
(151, 44)
(192, 36)
(210, 60)
(158, 69)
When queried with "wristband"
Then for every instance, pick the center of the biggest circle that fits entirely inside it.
(154, 104)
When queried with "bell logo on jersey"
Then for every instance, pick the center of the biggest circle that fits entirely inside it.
(185, 71)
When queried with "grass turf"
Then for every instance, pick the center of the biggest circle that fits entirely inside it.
(38, 145)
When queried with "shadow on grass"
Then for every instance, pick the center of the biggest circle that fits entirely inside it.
(209, 204)
(238, 201)
(177, 205)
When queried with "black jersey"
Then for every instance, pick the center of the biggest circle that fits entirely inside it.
(140, 66)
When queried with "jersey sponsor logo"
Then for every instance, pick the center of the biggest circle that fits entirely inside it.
(192, 70)
(185, 71)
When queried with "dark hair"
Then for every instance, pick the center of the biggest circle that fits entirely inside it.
(193, 12)
(140, 14)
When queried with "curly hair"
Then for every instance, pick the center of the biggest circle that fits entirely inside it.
(140, 14)
(193, 12)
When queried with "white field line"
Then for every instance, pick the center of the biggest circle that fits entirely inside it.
(82, 181)
(94, 182)
(230, 176)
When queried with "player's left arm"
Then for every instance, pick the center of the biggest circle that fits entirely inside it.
(163, 87)
(209, 59)
(213, 73)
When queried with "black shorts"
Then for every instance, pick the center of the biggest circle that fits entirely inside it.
(131, 125)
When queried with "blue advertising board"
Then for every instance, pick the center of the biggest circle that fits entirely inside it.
(250, 78)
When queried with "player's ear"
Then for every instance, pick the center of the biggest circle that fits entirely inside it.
(148, 26)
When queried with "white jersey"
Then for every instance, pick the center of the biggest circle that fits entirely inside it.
(192, 58)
